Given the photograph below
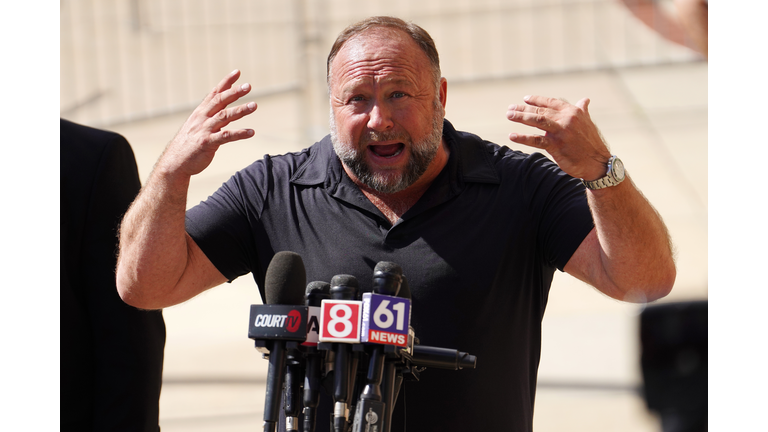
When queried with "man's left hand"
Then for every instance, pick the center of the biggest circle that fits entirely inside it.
(571, 138)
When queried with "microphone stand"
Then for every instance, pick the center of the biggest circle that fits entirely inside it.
(275, 377)
(294, 377)
(311, 388)
(314, 359)
(343, 287)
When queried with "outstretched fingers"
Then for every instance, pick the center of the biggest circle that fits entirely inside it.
(215, 113)
(570, 136)
(223, 85)
(218, 100)
(225, 136)
(226, 116)
(537, 113)
(551, 115)
(196, 143)
(531, 115)
(546, 102)
(536, 141)
(226, 83)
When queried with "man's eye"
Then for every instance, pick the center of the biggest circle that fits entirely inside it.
(397, 95)
(356, 99)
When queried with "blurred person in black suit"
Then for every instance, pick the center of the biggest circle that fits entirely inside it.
(111, 353)
(674, 361)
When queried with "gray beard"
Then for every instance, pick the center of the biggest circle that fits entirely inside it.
(422, 154)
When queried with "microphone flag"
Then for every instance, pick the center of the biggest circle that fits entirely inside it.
(386, 319)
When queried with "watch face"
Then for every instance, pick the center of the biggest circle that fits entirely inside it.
(618, 169)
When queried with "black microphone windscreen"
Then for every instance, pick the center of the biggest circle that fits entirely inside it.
(318, 287)
(387, 277)
(316, 292)
(285, 279)
(344, 280)
(388, 267)
(344, 287)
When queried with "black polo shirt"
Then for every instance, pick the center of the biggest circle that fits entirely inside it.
(479, 249)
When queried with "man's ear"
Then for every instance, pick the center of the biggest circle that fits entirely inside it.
(443, 92)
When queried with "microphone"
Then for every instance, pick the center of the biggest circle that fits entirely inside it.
(393, 348)
(315, 294)
(282, 320)
(294, 377)
(391, 380)
(340, 325)
(387, 278)
(385, 322)
(441, 358)
(386, 317)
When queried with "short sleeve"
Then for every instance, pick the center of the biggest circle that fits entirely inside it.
(565, 219)
(223, 225)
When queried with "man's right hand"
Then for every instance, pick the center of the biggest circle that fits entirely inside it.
(159, 263)
(193, 147)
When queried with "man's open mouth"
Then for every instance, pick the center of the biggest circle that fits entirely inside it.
(387, 150)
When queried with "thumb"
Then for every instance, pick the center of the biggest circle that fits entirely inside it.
(583, 104)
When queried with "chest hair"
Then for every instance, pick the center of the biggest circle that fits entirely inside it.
(393, 207)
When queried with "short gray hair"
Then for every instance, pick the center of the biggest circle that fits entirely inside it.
(418, 34)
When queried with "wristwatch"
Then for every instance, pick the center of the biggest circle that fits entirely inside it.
(614, 176)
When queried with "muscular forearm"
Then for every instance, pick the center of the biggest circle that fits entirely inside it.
(635, 249)
(628, 255)
(153, 242)
(159, 263)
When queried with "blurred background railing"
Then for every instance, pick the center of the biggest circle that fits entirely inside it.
(127, 60)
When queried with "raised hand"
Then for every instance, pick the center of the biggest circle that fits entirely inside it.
(193, 147)
(570, 136)
(159, 264)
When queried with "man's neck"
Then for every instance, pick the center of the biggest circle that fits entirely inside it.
(394, 205)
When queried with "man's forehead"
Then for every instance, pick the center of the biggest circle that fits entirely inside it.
(379, 51)
(358, 79)
(372, 38)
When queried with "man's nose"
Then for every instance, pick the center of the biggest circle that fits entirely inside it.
(380, 117)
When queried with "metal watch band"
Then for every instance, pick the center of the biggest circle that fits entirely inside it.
(609, 179)
(600, 183)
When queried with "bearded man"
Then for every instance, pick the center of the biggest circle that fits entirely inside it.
(478, 229)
